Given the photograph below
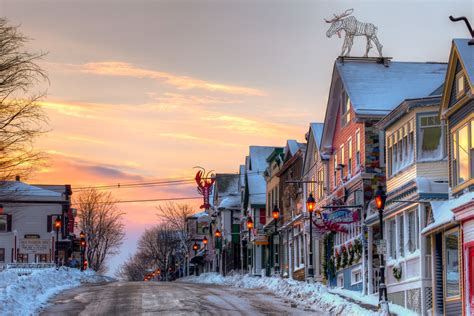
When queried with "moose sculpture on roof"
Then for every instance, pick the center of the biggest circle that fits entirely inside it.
(352, 27)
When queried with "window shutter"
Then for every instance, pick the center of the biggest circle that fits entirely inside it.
(9, 222)
(49, 223)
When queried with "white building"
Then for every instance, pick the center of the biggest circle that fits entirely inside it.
(27, 231)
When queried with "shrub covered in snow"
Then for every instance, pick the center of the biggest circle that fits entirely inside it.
(24, 295)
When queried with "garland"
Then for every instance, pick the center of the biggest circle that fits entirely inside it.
(397, 272)
(338, 260)
(357, 250)
(345, 257)
(351, 254)
(331, 269)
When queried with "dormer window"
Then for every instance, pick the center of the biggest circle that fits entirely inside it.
(460, 84)
(346, 111)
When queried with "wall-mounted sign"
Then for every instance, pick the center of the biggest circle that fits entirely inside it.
(32, 236)
(261, 240)
(34, 246)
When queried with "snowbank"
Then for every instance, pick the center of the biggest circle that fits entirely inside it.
(24, 295)
(308, 295)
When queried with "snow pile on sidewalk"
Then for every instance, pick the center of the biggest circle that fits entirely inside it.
(305, 294)
(24, 295)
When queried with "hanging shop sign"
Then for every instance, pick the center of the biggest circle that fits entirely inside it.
(343, 216)
(261, 240)
(204, 181)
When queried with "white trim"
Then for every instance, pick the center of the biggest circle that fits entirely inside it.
(353, 272)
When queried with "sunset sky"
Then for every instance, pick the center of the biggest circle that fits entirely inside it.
(145, 90)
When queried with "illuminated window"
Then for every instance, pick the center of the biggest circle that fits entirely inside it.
(430, 145)
(346, 111)
(460, 84)
(462, 154)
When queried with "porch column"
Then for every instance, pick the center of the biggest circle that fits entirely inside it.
(369, 261)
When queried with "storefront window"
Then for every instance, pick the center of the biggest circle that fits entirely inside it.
(2, 254)
(3, 223)
(451, 241)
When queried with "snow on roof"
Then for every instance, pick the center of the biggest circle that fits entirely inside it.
(317, 131)
(466, 54)
(255, 166)
(227, 183)
(19, 189)
(375, 89)
(292, 146)
(231, 201)
(442, 211)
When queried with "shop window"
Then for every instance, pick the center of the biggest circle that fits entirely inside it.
(340, 280)
(3, 223)
(451, 244)
(2, 254)
(22, 257)
(356, 276)
(430, 145)
(335, 169)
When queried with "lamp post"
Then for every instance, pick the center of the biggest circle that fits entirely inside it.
(205, 241)
(82, 241)
(380, 198)
(276, 216)
(217, 235)
(195, 248)
(57, 226)
(310, 206)
(249, 228)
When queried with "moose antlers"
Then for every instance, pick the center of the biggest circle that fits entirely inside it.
(340, 16)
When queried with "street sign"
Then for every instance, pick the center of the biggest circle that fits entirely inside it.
(342, 215)
(382, 248)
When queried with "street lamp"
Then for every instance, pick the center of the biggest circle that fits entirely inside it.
(218, 233)
(276, 216)
(380, 198)
(249, 225)
(205, 241)
(249, 228)
(310, 206)
(195, 248)
(57, 226)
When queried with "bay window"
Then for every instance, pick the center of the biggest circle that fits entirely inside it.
(392, 235)
(400, 148)
(412, 231)
(430, 144)
(401, 235)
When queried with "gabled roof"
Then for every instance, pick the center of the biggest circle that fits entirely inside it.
(292, 147)
(317, 132)
(20, 190)
(375, 89)
(466, 55)
(255, 167)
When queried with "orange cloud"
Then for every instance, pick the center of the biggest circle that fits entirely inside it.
(115, 68)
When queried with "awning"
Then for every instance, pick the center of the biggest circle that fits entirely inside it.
(442, 211)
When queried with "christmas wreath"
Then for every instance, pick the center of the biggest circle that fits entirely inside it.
(397, 271)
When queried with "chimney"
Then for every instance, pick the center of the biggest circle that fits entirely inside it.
(17, 178)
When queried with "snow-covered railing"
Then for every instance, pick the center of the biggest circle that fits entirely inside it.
(27, 268)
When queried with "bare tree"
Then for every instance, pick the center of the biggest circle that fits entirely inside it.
(101, 220)
(133, 269)
(160, 246)
(21, 116)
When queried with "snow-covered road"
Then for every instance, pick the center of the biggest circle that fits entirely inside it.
(151, 298)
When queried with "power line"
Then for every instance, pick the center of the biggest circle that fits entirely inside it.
(146, 200)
